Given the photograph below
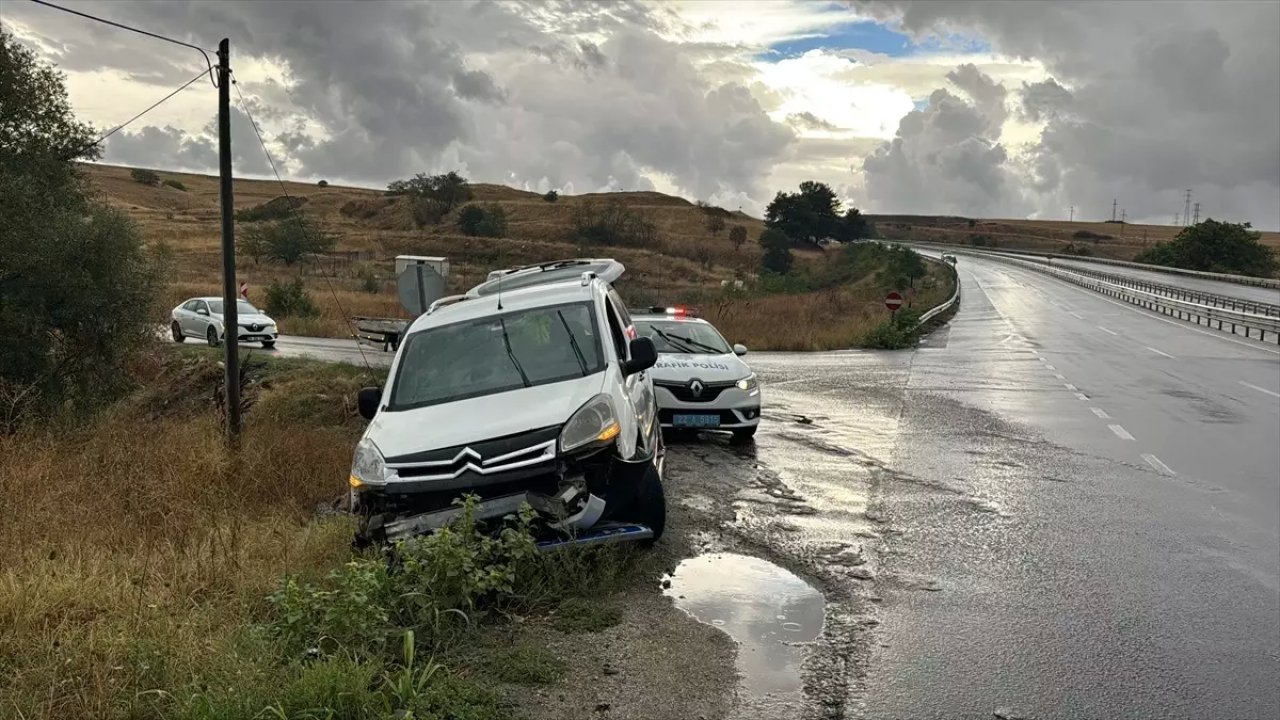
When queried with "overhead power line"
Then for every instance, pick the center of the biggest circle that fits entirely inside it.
(154, 105)
(294, 211)
(140, 31)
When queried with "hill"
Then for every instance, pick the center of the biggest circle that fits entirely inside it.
(1118, 241)
(682, 261)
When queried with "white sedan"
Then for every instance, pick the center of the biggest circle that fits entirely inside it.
(700, 381)
(202, 318)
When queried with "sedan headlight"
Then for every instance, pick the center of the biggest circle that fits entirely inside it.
(748, 383)
(593, 424)
(367, 467)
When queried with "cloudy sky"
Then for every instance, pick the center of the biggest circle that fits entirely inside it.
(989, 109)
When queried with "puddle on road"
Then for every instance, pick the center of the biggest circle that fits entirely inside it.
(770, 612)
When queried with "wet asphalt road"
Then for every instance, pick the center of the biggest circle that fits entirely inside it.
(1077, 504)
(1059, 506)
(1243, 292)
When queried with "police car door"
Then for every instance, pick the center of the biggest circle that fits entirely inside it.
(639, 388)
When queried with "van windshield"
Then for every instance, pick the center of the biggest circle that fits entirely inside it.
(496, 354)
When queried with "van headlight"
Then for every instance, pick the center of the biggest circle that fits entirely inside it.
(594, 423)
(367, 467)
(748, 383)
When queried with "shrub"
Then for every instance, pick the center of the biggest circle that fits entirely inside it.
(1214, 246)
(898, 332)
(285, 240)
(551, 196)
(368, 279)
(610, 223)
(1073, 249)
(738, 236)
(427, 211)
(277, 208)
(978, 240)
(176, 185)
(777, 251)
(488, 220)
(715, 223)
(289, 298)
(146, 177)
(323, 183)
(1087, 235)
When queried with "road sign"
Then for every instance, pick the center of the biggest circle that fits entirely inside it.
(418, 286)
(893, 301)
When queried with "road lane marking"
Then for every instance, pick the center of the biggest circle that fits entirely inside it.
(1101, 413)
(1251, 386)
(1082, 396)
(1160, 352)
(1121, 432)
(1047, 366)
(1160, 467)
(1072, 388)
(1076, 315)
(1110, 332)
(1154, 316)
(1060, 376)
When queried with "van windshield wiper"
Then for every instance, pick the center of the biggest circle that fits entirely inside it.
(573, 343)
(511, 353)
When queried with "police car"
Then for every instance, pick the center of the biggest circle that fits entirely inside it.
(700, 381)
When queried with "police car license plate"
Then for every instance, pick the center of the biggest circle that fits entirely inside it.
(695, 420)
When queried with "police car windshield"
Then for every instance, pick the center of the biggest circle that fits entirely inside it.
(497, 354)
(678, 336)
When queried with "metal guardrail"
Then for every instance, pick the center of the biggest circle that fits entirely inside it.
(1251, 323)
(950, 303)
(1221, 277)
(1172, 291)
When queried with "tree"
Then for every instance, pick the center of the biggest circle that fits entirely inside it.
(287, 241)
(323, 183)
(853, 225)
(146, 177)
(1214, 246)
(777, 251)
(737, 236)
(809, 215)
(77, 286)
(450, 189)
(488, 220)
(715, 223)
(551, 196)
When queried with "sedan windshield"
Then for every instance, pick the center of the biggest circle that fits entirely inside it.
(243, 307)
(678, 336)
(496, 354)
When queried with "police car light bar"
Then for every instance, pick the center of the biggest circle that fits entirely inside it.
(677, 311)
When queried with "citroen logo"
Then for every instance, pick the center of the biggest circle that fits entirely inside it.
(696, 388)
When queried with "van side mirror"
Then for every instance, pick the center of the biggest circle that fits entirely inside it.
(739, 349)
(367, 401)
(644, 355)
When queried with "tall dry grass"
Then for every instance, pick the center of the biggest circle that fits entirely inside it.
(138, 548)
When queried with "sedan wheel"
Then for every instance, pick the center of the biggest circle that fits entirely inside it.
(176, 329)
(212, 337)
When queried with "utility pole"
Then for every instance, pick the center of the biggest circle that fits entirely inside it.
(1113, 209)
(1186, 208)
(1196, 217)
(1072, 216)
(230, 318)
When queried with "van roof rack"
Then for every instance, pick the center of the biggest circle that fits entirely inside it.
(574, 269)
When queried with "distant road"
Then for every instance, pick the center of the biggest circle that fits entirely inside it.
(331, 350)
(1217, 287)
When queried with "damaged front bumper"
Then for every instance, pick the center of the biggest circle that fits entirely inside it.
(576, 505)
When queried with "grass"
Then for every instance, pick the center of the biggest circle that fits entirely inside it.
(585, 615)
(152, 574)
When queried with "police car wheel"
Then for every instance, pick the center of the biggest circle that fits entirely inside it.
(650, 503)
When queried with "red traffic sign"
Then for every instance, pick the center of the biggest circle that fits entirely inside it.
(893, 301)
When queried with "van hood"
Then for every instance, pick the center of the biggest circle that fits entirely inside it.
(403, 432)
(681, 367)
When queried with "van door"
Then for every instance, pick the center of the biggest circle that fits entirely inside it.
(638, 386)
